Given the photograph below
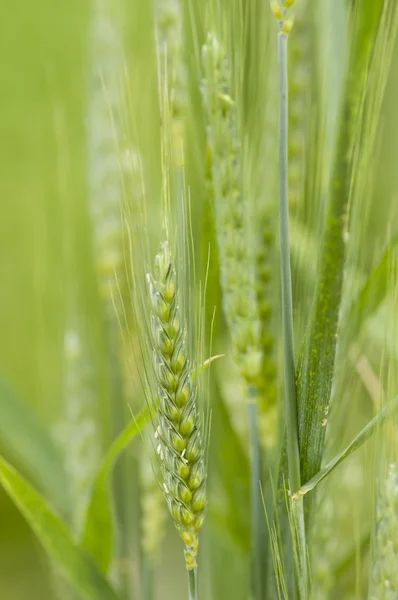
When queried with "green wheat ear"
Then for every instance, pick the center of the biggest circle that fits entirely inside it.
(384, 574)
(178, 424)
(236, 261)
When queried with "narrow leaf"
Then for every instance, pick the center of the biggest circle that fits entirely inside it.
(98, 531)
(25, 441)
(316, 365)
(357, 442)
(72, 562)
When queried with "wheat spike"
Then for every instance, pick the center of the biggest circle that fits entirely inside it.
(236, 260)
(178, 423)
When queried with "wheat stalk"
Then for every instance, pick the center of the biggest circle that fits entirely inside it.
(285, 22)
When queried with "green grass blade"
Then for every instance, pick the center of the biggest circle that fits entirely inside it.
(256, 502)
(357, 442)
(99, 527)
(316, 365)
(72, 562)
(27, 443)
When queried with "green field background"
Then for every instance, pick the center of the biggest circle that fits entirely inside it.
(45, 244)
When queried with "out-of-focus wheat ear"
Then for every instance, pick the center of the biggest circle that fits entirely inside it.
(266, 299)
(237, 264)
(237, 259)
(173, 83)
(261, 187)
(178, 423)
(78, 430)
(105, 170)
(384, 571)
(105, 149)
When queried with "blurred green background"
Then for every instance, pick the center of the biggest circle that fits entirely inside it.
(45, 235)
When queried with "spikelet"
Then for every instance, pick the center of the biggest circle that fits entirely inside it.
(236, 260)
(281, 10)
(178, 423)
(384, 573)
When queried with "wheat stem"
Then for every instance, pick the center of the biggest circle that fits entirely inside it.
(257, 513)
(287, 311)
(148, 578)
(193, 584)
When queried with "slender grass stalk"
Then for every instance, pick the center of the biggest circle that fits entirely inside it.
(256, 501)
(148, 578)
(293, 450)
(193, 584)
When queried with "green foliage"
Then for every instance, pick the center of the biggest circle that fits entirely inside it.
(71, 561)
(98, 536)
(317, 358)
(366, 433)
(132, 135)
(28, 442)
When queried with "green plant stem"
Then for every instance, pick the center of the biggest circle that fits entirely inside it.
(257, 515)
(148, 578)
(293, 450)
(193, 584)
(117, 417)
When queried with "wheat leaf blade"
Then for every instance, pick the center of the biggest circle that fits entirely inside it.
(357, 442)
(98, 532)
(73, 563)
(26, 440)
(316, 364)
